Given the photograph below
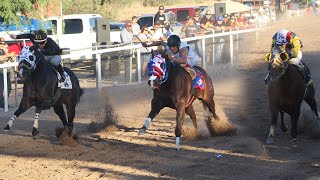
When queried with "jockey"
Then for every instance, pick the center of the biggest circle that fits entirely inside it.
(291, 42)
(50, 50)
(181, 53)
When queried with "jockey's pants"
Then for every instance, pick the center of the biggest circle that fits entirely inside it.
(296, 61)
(53, 60)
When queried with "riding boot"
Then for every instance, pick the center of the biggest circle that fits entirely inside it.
(59, 68)
(307, 74)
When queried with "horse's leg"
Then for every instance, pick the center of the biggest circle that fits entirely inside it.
(156, 106)
(192, 114)
(25, 104)
(179, 121)
(58, 109)
(35, 131)
(310, 100)
(284, 127)
(71, 111)
(274, 119)
(294, 127)
(212, 107)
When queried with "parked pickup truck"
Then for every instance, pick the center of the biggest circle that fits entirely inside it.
(76, 32)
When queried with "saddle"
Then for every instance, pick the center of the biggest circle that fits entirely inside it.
(196, 76)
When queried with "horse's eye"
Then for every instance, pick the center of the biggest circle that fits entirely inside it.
(31, 58)
(284, 56)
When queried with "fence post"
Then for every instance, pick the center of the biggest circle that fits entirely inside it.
(212, 51)
(231, 49)
(98, 70)
(139, 65)
(204, 56)
(5, 88)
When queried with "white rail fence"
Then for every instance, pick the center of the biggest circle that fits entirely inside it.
(137, 48)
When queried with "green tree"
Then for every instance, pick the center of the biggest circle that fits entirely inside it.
(10, 9)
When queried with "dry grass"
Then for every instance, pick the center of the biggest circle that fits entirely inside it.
(124, 9)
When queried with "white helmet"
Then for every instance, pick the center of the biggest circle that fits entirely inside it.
(283, 37)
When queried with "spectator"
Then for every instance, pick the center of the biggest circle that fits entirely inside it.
(158, 34)
(218, 25)
(233, 23)
(226, 20)
(135, 26)
(262, 18)
(5, 57)
(160, 17)
(206, 23)
(168, 32)
(126, 34)
(196, 18)
(192, 30)
(144, 36)
(242, 20)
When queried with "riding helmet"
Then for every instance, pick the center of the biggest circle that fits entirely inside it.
(173, 40)
(283, 37)
(40, 36)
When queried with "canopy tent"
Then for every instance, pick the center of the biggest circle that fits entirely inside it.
(230, 7)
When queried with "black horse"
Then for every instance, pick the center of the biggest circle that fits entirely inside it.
(172, 87)
(286, 91)
(41, 90)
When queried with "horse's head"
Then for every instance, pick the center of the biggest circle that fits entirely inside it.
(157, 68)
(278, 62)
(27, 61)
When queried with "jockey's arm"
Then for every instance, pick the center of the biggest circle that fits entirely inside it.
(296, 47)
(183, 56)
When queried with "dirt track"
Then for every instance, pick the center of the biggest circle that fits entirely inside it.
(121, 154)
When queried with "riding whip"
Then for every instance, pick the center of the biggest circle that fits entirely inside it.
(141, 42)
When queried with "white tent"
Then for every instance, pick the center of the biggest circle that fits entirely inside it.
(231, 7)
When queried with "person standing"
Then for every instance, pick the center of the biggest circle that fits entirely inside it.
(191, 30)
(5, 57)
(126, 36)
(135, 26)
(160, 17)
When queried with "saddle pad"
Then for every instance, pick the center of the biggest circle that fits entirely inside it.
(198, 82)
(67, 83)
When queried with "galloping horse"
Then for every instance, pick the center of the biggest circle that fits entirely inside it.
(41, 90)
(286, 91)
(172, 87)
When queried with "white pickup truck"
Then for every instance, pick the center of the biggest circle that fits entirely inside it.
(78, 32)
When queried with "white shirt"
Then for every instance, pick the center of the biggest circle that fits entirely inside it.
(192, 57)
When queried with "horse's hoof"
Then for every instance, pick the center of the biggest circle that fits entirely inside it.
(294, 143)
(7, 128)
(142, 131)
(35, 133)
(269, 140)
(177, 149)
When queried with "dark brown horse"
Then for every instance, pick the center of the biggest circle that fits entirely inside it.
(286, 91)
(172, 87)
(41, 90)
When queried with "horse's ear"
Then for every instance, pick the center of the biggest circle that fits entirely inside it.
(152, 52)
(32, 48)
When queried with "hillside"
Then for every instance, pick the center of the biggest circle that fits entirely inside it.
(124, 9)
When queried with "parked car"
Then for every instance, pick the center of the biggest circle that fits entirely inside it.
(182, 13)
(148, 19)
